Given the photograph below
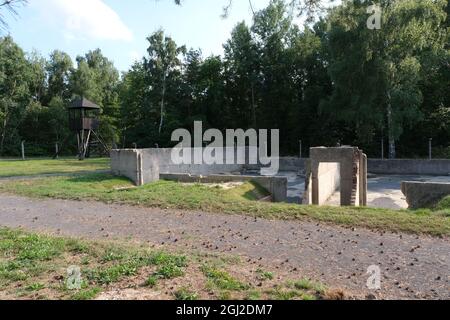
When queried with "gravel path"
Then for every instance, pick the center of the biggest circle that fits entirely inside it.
(411, 266)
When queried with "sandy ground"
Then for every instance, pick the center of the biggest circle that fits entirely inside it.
(411, 266)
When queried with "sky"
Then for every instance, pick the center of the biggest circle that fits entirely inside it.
(120, 27)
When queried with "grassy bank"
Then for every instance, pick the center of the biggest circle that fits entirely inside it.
(12, 168)
(238, 200)
(34, 266)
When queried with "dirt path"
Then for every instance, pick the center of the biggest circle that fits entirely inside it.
(411, 266)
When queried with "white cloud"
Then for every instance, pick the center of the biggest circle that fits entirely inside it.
(86, 19)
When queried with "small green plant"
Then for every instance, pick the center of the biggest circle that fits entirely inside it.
(35, 287)
(86, 294)
(151, 281)
(185, 294)
(264, 275)
(253, 295)
(224, 295)
(222, 280)
(160, 258)
(169, 271)
(280, 293)
(306, 284)
(112, 255)
(114, 273)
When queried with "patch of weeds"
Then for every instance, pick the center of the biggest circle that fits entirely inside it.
(86, 294)
(185, 294)
(85, 261)
(76, 246)
(253, 295)
(306, 284)
(307, 296)
(35, 287)
(222, 280)
(114, 273)
(112, 255)
(163, 258)
(151, 281)
(224, 295)
(169, 271)
(36, 247)
(264, 275)
(281, 294)
(11, 271)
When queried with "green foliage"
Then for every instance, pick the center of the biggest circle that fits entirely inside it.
(185, 294)
(328, 82)
(222, 280)
(444, 204)
(264, 275)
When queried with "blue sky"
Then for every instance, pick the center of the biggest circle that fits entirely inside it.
(119, 27)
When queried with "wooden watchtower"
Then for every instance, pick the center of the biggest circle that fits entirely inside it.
(84, 121)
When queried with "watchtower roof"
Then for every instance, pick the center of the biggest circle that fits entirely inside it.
(83, 103)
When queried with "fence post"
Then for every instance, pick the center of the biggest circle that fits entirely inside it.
(57, 150)
(430, 148)
(382, 148)
(23, 149)
(301, 149)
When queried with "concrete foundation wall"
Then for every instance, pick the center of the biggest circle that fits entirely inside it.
(125, 163)
(147, 165)
(409, 166)
(285, 163)
(276, 186)
(329, 177)
(424, 194)
(166, 165)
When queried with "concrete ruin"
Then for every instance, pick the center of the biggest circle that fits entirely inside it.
(341, 169)
(424, 194)
(144, 166)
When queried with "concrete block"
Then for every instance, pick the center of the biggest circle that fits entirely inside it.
(424, 194)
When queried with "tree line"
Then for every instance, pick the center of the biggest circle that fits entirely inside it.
(331, 82)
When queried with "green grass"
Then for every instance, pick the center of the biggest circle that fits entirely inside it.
(264, 275)
(303, 289)
(239, 200)
(12, 168)
(26, 258)
(34, 266)
(222, 280)
(307, 284)
(444, 205)
(185, 294)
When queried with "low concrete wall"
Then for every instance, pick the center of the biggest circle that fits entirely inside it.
(132, 164)
(276, 186)
(409, 166)
(166, 165)
(424, 194)
(125, 163)
(285, 164)
(147, 165)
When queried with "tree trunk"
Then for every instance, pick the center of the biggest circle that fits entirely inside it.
(163, 94)
(392, 153)
(253, 107)
(2, 141)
